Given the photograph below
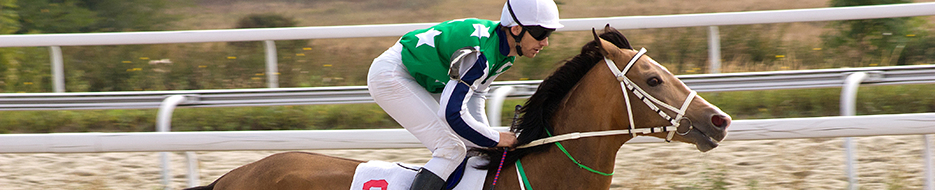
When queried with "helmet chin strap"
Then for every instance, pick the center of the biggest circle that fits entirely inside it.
(518, 39)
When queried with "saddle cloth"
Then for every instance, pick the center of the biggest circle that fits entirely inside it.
(380, 175)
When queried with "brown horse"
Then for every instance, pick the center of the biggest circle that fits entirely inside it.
(580, 98)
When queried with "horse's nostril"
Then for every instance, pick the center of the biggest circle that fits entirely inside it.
(719, 121)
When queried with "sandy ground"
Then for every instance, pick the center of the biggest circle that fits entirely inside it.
(885, 162)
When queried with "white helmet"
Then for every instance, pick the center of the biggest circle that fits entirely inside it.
(530, 13)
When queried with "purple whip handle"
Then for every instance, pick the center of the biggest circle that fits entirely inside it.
(499, 167)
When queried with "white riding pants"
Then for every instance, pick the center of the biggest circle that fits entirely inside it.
(397, 92)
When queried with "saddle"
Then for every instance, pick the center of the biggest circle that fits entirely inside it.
(380, 175)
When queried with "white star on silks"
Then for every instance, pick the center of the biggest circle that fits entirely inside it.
(481, 31)
(427, 37)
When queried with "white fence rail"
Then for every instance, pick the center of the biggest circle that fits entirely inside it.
(760, 129)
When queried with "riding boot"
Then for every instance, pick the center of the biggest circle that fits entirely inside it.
(426, 180)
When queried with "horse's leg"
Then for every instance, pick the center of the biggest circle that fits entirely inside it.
(292, 170)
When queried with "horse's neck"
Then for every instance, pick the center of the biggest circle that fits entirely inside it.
(587, 108)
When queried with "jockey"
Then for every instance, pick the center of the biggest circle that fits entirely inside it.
(433, 80)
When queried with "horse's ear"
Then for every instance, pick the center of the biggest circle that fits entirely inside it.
(594, 32)
(607, 28)
(598, 39)
(606, 48)
(621, 41)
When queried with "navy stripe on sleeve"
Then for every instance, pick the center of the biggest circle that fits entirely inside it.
(456, 101)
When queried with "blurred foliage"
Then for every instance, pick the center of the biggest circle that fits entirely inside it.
(685, 48)
(71, 16)
(53, 16)
(8, 17)
(267, 20)
(880, 41)
(8, 25)
(132, 15)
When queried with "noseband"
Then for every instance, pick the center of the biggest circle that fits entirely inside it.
(646, 98)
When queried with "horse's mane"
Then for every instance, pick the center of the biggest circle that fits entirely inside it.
(539, 109)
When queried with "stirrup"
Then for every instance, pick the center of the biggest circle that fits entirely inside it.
(426, 180)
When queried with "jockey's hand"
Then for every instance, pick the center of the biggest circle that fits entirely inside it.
(507, 139)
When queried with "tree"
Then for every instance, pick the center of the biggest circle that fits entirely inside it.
(869, 37)
(45, 16)
(8, 17)
(268, 20)
(131, 15)
(71, 16)
(8, 25)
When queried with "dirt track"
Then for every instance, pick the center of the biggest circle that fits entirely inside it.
(884, 163)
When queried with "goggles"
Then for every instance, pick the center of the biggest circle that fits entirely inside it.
(538, 32)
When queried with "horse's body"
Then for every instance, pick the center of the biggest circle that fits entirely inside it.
(581, 96)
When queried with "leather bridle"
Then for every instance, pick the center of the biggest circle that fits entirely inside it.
(653, 103)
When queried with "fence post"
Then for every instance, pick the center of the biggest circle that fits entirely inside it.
(927, 156)
(495, 105)
(193, 177)
(58, 71)
(848, 108)
(272, 68)
(163, 124)
(714, 50)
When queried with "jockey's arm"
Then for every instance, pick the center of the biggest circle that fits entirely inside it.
(462, 103)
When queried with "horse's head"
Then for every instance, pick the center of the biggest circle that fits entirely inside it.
(657, 98)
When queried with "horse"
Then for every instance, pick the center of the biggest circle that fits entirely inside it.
(569, 132)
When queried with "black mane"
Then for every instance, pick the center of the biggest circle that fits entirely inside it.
(538, 110)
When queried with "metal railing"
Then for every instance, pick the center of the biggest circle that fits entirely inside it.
(772, 80)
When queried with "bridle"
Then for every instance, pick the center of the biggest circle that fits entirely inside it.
(646, 98)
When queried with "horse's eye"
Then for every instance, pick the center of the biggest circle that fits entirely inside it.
(655, 81)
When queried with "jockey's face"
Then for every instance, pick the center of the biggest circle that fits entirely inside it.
(530, 46)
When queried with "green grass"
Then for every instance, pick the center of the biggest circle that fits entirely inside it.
(200, 119)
